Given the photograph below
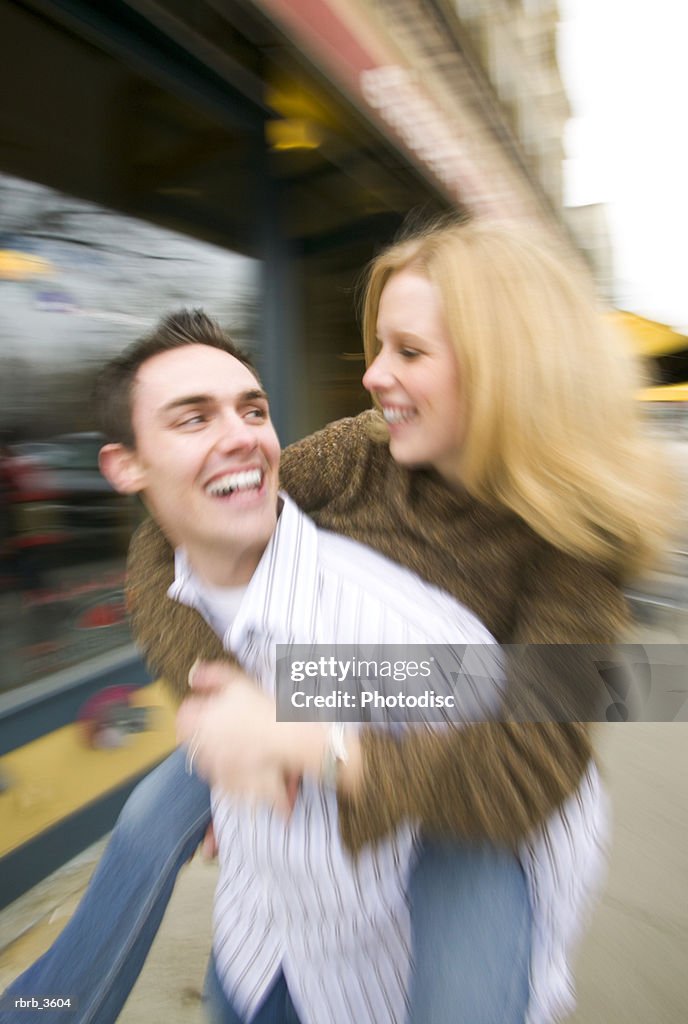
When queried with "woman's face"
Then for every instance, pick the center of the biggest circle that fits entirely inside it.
(415, 376)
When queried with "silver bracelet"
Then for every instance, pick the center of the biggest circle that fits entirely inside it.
(335, 755)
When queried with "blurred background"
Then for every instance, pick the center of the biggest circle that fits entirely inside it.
(250, 157)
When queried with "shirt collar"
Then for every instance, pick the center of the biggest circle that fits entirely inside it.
(281, 596)
(184, 587)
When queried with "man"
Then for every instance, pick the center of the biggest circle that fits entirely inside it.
(190, 431)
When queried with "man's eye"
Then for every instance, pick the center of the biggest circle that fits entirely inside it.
(193, 420)
(257, 414)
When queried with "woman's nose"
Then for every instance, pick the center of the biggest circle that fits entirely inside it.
(378, 376)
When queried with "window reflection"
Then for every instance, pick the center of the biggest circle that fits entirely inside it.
(78, 283)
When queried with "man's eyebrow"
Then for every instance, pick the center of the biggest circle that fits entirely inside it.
(252, 395)
(177, 403)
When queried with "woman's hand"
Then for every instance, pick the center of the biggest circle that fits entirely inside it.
(234, 741)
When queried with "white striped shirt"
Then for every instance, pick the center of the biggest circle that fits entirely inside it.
(290, 897)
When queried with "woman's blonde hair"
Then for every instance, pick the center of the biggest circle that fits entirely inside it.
(553, 426)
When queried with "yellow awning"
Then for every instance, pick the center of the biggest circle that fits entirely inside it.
(648, 337)
(667, 393)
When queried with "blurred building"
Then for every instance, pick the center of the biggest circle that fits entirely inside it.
(514, 42)
(589, 226)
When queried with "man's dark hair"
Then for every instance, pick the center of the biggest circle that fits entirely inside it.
(115, 384)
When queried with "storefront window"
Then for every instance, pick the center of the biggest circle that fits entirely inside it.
(78, 283)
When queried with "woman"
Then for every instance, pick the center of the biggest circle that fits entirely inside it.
(508, 468)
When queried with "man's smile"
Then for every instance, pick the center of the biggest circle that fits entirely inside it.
(228, 483)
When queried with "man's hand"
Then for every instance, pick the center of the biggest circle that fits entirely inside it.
(208, 677)
(208, 847)
(209, 844)
(233, 738)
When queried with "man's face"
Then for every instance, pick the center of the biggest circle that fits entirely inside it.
(206, 458)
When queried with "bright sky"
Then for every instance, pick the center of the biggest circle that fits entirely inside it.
(624, 69)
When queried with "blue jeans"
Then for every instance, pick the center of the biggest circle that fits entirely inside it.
(471, 927)
(470, 917)
(277, 1007)
(99, 954)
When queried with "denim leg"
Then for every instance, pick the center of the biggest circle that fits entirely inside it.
(98, 956)
(471, 926)
(218, 1009)
(276, 1009)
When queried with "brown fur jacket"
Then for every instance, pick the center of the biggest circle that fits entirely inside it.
(494, 781)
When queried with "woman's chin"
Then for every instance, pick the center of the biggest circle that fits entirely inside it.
(405, 455)
(399, 451)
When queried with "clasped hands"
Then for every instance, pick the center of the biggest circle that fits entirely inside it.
(235, 742)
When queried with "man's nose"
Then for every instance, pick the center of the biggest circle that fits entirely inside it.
(235, 435)
(379, 375)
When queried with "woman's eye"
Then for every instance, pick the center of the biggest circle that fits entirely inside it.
(409, 353)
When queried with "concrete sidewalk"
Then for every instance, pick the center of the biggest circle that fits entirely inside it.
(632, 968)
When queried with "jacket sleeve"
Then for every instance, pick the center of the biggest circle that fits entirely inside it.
(497, 781)
(170, 635)
(327, 468)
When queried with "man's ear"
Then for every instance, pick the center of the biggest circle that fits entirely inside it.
(120, 466)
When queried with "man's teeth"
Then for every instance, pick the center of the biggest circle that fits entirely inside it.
(398, 415)
(235, 482)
